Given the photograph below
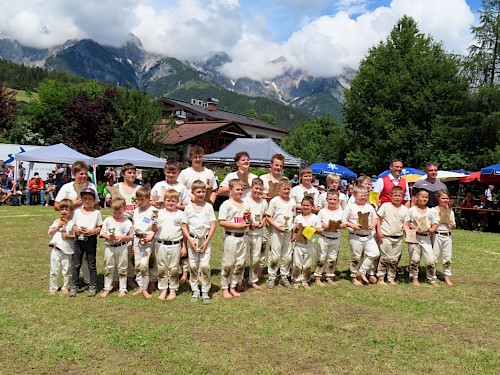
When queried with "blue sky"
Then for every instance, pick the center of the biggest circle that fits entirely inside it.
(320, 37)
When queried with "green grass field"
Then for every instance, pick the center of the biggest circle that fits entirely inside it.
(332, 330)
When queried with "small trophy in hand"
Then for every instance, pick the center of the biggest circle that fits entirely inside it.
(112, 233)
(199, 243)
(247, 217)
(286, 227)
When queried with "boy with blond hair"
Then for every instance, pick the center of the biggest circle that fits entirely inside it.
(117, 232)
(257, 207)
(144, 245)
(198, 226)
(442, 241)
(332, 183)
(280, 213)
(361, 220)
(62, 244)
(305, 188)
(390, 235)
(232, 219)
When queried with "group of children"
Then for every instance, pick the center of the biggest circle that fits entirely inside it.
(165, 234)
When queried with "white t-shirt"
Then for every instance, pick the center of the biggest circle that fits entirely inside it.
(199, 222)
(67, 191)
(351, 215)
(298, 192)
(325, 215)
(142, 219)
(234, 175)
(312, 221)
(121, 228)
(430, 214)
(324, 204)
(130, 199)
(255, 208)
(89, 221)
(170, 225)
(158, 192)
(392, 219)
(444, 227)
(229, 212)
(278, 209)
(189, 175)
(66, 246)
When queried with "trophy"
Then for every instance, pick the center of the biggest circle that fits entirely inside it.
(257, 218)
(299, 236)
(444, 215)
(62, 228)
(82, 237)
(422, 223)
(286, 223)
(141, 236)
(273, 189)
(363, 219)
(243, 177)
(246, 217)
(199, 243)
(333, 225)
(155, 220)
(112, 233)
(411, 235)
(78, 189)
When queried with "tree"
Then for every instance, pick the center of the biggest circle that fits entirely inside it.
(319, 139)
(8, 109)
(403, 86)
(483, 63)
(267, 117)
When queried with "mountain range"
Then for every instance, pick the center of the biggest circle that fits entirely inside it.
(132, 66)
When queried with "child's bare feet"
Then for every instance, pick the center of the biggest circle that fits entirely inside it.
(296, 286)
(331, 282)
(234, 293)
(146, 294)
(392, 282)
(355, 281)
(105, 294)
(171, 295)
(137, 292)
(163, 295)
(184, 278)
(434, 283)
(256, 287)
(318, 282)
(372, 279)
(361, 277)
(381, 281)
(226, 294)
(122, 293)
(447, 281)
(65, 292)
(415, 282)
(53, 292)
(306, 286)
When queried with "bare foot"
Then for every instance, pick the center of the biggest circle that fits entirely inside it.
(234, 293)
(356, 281)
(256, 287)
(307, 286)
(392, 282)
(447, 281)
(318, 282)
(296, 286)
(361, 277)
(65, 292)
(226, 294)
(381, 281)
(53, 292)
(415, 282)
(434, 283)
(331, 282)
(146, 294)
(372, 279)
(105, 294)
(184, 278)
(122, 293)
(171, 295)
(137, 292)
(163, 295)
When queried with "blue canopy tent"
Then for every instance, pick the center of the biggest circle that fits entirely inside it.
(327, 168)
(491, 174)
(405, 171)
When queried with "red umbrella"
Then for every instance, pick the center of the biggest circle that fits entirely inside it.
(471, 177)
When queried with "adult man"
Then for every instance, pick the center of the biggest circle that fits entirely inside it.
(50, 189)
(430, 184)
(35, 186)
(489, 194)
(385, 184)
(6, 186)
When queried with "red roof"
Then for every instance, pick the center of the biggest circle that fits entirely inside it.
(188, 130)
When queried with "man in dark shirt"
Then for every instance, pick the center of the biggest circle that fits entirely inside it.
(430, 184)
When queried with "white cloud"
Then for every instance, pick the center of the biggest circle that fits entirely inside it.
(195, 29)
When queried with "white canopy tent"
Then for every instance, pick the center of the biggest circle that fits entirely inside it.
(260, 150)
(130, 155)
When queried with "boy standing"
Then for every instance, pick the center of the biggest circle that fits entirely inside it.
(280, 215)
(305, 189)
(144, 247)
(170, 245)
(116, 231)
(198, 226)
(87, 224)
(361, 220)
(232, 219)
(257, 208)
(332, 183)
(390, 235)
(198, 172)
(242, 160)
(442, 241)
(62, 244)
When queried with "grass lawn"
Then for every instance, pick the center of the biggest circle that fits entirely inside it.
(331, 330)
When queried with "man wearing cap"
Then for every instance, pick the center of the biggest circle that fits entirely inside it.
(6, 186)
(35, 186)
(385, 184)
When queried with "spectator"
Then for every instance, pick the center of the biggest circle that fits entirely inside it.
(35, 186)
(430, 184)
(21, 173)
(295, 180)
(489, 194)
(50, 190)
(6, 186)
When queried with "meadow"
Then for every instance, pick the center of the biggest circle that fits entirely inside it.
(332, 330)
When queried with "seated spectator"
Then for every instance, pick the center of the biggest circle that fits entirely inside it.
(6, 186)
(469, 217)
(35, 186)
(50, 190)
(295, 180)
